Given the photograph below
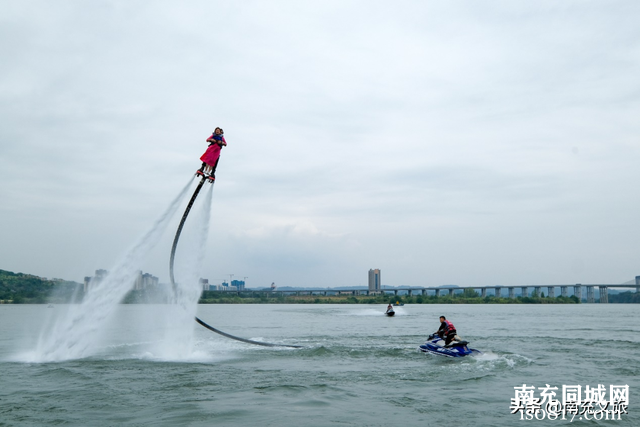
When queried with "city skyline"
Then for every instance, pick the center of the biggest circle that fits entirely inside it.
(374, 283)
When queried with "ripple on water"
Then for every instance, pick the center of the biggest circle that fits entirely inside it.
(488, 361)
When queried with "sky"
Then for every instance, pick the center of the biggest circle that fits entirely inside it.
(467, 143)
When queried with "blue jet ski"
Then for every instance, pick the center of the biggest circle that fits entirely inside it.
(435, 345)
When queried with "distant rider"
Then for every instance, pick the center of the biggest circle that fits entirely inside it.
(446, 330)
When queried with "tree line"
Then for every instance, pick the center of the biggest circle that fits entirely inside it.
(21, 288)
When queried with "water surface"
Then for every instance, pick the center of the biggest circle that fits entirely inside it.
(358, 366)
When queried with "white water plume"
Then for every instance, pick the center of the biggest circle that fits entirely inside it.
(178, 324)
(76, 333)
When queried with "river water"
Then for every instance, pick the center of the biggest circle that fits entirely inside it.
(358, 367)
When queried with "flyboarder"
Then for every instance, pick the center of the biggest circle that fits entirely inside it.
(211, 157)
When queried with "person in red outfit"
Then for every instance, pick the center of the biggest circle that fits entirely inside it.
(211, 157)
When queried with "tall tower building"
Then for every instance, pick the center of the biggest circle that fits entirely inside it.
(375, 283)
(92, 281)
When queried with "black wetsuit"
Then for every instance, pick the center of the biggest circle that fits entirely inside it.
(446, 331)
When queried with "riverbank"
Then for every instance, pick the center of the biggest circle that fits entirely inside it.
(221, 298)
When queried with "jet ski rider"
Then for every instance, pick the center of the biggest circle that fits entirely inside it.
(446, 330)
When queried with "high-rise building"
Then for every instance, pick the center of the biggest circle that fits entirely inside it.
(101, 274)
(145, 281)
(239, 284)
(90, 281)
(375, 283)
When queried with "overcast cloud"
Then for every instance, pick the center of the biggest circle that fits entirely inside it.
(467, 142)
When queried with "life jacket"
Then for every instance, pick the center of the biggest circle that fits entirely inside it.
(449, 327)
(216, 139)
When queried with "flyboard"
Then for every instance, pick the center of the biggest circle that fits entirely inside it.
(211, 180)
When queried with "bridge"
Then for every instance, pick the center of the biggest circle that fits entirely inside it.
(447, 290)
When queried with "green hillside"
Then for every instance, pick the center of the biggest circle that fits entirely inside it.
(20, 288)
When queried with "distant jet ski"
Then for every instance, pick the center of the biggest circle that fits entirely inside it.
(435, 345)
(389, 311)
